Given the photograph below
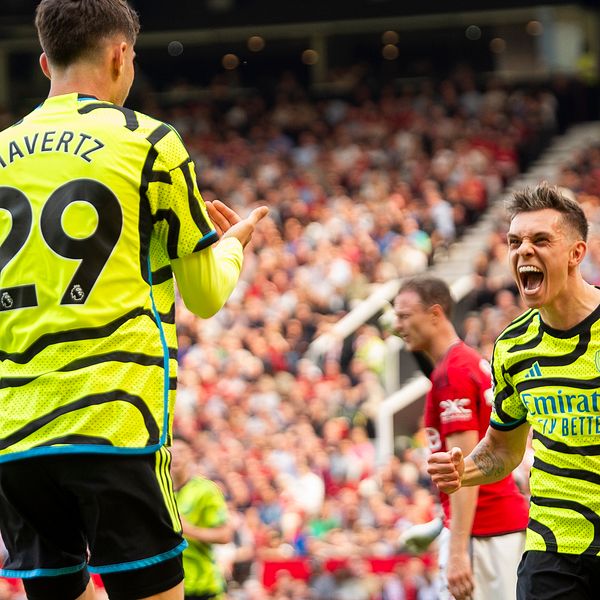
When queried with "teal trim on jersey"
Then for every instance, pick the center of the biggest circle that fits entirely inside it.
(507, 426)
(79, 449)
(165, 347)
(40, 572)
(139, 564)
(208, 235)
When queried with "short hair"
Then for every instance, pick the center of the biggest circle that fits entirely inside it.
(431, 290)
(549, 196)
(71, 29)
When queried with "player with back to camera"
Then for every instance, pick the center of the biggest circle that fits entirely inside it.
(103, 208)
(546, 374)
(484, 536)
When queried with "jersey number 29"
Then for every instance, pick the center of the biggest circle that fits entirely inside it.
(92, 251)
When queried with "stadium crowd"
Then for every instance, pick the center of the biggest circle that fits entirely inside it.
(361, 189)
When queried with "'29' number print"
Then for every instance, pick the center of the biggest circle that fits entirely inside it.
(92, 251)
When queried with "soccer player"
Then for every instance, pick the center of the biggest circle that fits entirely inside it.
(546, 369)
(480, 548)
(203, 513)
(100, 207)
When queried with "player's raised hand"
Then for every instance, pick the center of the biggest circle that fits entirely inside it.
(229, 224)
(446, 469)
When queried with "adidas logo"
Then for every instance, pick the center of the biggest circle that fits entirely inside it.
(535, 371)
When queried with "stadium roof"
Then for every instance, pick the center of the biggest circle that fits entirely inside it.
(183, 14)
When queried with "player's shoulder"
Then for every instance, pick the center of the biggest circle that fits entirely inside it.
(204, 485)
(462, 356)
(9, 132)
(520, 328)
(132, 122)
(164, 138)
(149, 124)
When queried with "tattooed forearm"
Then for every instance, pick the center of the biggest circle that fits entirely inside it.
(488, 462)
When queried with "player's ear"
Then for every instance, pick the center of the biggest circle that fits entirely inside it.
(45, 66)
(577, 253)
(117, 58)
(436, 311)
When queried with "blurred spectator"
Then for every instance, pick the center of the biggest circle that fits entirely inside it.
(361, 189)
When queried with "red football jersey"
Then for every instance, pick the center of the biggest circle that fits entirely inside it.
(461, 400)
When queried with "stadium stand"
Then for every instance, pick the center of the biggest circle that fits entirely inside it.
(279, 393)
(354, 187)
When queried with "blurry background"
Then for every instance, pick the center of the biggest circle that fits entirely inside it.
(186, 42)
(384, 136)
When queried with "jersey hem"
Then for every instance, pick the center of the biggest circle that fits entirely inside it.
(589, 551)
(78, 449)
(139, 564)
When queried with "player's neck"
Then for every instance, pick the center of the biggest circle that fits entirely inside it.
(81, 80)
(444, 340)
(571, 308)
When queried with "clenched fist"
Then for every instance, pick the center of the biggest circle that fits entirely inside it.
(446, 469)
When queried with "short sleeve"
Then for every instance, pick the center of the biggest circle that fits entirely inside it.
(508, 411)
(179, 215)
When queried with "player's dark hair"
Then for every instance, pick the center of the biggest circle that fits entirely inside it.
(431, 290)
(549, 196)
(71, 29)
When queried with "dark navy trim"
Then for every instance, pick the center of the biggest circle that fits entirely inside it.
(556, 360)
(158, 134)
(84, 402)
(518, 327)
(586, 512)
(582, 328)
(556, 446)
(582, 474)
(203, 224)
(74, 335)
(161, 275)
(144, 360)
(545, 533)
(131, 120)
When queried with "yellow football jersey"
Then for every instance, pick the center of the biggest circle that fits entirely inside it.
(95, 201)
(551, 379)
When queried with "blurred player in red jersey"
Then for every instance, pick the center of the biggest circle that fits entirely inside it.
(481, 546)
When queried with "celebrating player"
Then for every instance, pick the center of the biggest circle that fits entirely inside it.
(545, 372)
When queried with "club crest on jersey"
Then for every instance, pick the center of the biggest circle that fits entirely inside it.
(597, 359)
(455, 410)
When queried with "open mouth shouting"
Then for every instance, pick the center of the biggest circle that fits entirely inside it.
(531, 279)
